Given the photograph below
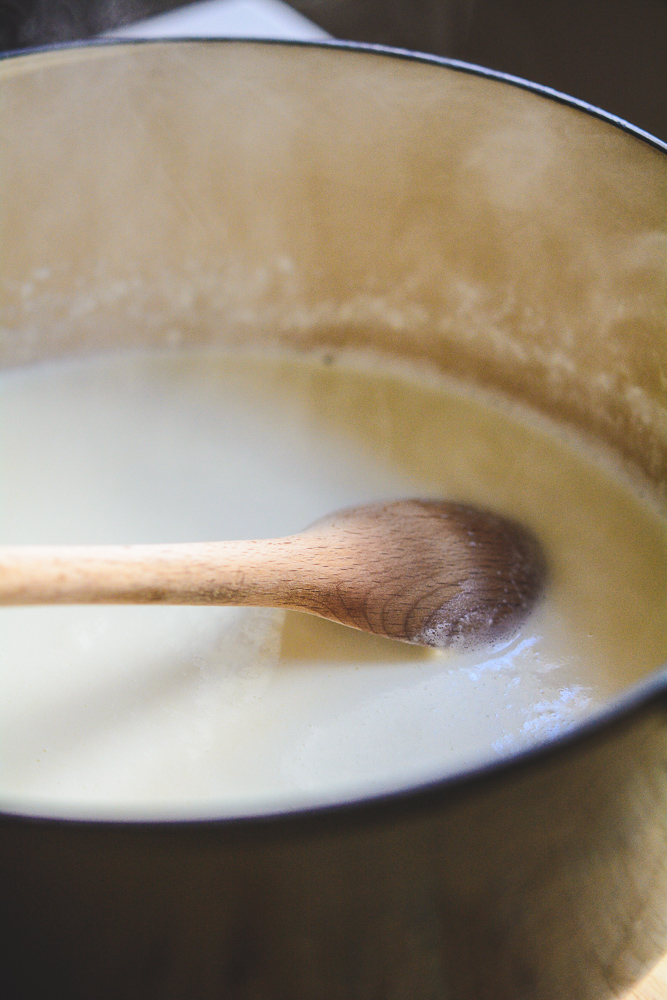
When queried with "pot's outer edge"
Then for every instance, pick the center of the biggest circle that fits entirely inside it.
(546, 884)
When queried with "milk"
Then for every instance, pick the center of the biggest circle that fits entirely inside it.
(135, 712)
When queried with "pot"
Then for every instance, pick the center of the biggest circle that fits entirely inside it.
(325, 196)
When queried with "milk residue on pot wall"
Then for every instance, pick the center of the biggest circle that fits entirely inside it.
(175, 711)
(512, 239)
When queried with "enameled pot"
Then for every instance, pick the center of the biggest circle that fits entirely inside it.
(326, 195)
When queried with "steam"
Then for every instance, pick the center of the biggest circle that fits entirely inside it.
(28, 23)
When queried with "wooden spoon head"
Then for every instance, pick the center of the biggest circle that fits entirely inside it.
(430, 572)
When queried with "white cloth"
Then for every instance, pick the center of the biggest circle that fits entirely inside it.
(226, 19)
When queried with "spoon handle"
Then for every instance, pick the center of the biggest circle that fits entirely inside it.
(260, 573)
(425, 571)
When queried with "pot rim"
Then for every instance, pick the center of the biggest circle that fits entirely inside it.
(422, 794)
(459, 65)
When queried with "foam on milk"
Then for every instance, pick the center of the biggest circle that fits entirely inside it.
(153, 711)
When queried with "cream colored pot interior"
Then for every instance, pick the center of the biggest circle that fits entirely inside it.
(179, 193)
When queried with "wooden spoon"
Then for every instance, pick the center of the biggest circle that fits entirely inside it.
(423, 571)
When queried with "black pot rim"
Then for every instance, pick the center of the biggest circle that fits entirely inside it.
(642, 695)
(365, 47)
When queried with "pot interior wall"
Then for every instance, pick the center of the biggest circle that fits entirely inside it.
(193, 193)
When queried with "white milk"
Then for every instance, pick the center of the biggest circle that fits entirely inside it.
(154, 711)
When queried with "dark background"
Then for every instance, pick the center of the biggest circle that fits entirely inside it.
(612, 53)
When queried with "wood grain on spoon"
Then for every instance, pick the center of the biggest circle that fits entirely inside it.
(423, 571)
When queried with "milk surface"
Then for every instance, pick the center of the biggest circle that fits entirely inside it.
(167, 712)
